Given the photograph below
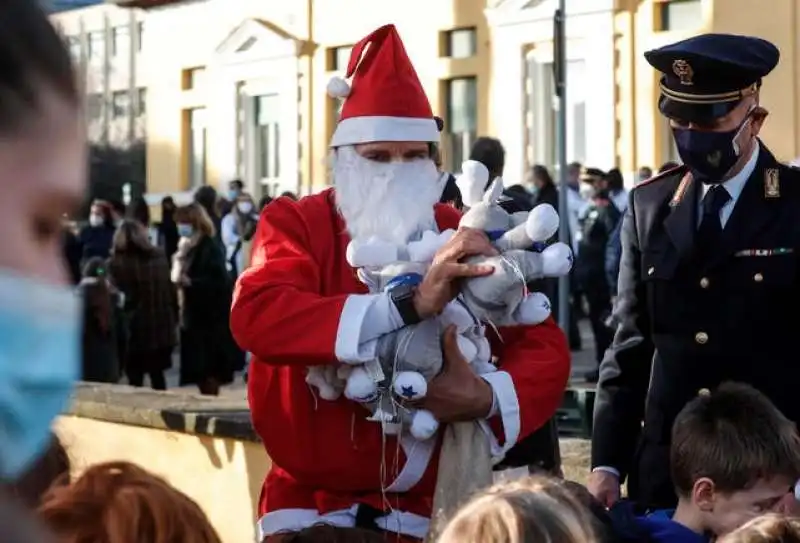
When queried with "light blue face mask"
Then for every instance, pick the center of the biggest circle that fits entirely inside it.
(185, 230)
(40, 359)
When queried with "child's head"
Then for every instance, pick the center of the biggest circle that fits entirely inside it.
(524, 511)
(766, 529)
(119, 502)
(734, 456)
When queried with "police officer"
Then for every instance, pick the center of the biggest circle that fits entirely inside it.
(708, 284)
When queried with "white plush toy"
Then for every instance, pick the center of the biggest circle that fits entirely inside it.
(410, 357)
(358, 382)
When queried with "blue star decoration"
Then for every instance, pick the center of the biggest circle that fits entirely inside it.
(546, 305)
(407, 392)
(571, 257)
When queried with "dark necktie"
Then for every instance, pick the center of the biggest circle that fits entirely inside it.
(710, 233)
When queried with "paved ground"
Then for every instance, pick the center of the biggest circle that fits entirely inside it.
(582, 362)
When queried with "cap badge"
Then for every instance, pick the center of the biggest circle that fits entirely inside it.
(772, 183)
(684, 71)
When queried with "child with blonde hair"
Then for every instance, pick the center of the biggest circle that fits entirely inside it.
(530, 510)
(770, 528)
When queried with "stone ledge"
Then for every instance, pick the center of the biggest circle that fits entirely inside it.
(174, 411)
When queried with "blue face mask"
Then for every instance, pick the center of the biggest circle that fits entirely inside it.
(233, 194)
(40, 361)
(708, 155)
(185, 230)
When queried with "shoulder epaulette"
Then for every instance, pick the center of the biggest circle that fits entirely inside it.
(663, 175)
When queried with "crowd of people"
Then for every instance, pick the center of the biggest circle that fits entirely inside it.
(156, 288)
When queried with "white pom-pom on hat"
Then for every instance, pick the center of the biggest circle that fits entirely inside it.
(338, 88)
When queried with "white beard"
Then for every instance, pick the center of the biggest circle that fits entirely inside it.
(391, 201)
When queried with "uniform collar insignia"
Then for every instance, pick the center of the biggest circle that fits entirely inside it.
(680, 191)
(772, 183)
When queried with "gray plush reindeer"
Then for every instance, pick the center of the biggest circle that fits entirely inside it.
(502, 298)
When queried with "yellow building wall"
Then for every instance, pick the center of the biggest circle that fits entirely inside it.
(779, 22)
(642, 134)
(183, 36)
(224, 476)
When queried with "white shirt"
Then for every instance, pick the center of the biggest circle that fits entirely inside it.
(733, 187)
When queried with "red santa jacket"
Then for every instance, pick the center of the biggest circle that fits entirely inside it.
(326, 455)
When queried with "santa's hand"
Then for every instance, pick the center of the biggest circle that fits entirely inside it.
(466, 242)
(457, 393)
(440, 284)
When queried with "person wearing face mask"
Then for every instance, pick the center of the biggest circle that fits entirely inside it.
(238, 228)
(708, 284)
(96, 236)
(204, 299)
(235, 189)
(43, 160)
(301, 304)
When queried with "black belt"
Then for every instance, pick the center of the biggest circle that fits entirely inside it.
(366, 515)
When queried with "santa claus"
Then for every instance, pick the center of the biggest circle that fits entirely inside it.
(300, 304)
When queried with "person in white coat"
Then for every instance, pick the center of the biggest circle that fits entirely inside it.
(237, 228)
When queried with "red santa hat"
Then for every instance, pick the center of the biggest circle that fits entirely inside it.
(385, 100)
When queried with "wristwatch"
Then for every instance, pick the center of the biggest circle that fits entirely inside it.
(402, 297)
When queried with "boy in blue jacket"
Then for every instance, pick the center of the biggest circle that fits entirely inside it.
(734, 457)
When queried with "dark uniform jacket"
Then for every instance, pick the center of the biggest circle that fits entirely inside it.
(688, 322)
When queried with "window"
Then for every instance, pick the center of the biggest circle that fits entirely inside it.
(461, 43)
(139, 35)
(267, 137)
(197, 147)
(120, 104)
(96, 44)
(193, 78)
(120, 41)
(141, 102)
(94, 106)
(247, 45)
(680, 14)
(74, 44)
(461, 124)
(540, 116)
(338, 57)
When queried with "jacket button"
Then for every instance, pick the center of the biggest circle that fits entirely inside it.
(704, 392)
(758, 278)
(651, 271)
(701, 338)
(704, 282)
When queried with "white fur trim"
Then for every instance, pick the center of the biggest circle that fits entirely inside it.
(348, 347)
(356, 130)
(508, 406)
(371, 253)
(424, 249)
(295, 520)
(338, 88)
(418, 456)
